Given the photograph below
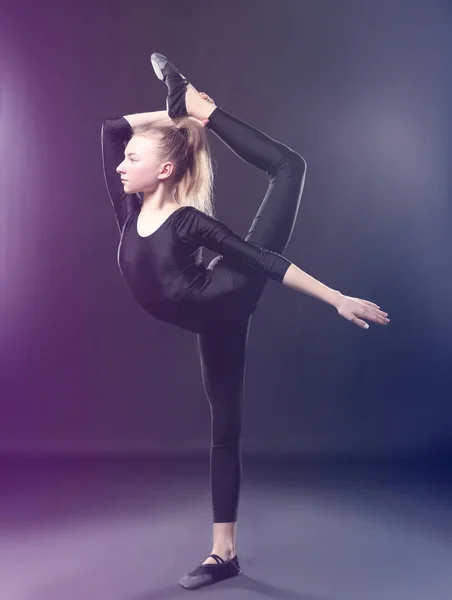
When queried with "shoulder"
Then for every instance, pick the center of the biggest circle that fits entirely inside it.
(190, 222)
(189, 212)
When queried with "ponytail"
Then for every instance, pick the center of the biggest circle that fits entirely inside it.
(187, 146)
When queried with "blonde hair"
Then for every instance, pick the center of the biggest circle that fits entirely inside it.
(187, 146)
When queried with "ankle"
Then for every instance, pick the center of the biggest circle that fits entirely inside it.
(197, 107)
(226, 552)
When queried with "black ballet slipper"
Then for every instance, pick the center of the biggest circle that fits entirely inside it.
(210, 573)
(175, 82)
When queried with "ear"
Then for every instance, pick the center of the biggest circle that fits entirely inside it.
(165, 170)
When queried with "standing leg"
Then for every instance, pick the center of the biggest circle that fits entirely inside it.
(274, 222)
(223, 354)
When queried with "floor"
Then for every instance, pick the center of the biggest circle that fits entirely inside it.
(127, 529)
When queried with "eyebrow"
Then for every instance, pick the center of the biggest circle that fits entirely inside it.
(131, 153)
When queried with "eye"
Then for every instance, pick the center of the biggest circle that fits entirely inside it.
(132, 160)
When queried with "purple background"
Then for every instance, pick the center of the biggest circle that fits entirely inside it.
(360, 89)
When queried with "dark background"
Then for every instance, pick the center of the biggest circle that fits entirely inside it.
(362, 90)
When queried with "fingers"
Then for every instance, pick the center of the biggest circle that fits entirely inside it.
(354, 319)
(206, 97)
(368, 310)
(372, 305)
(376, 310)
(373, 314)
(359, 322)
(380, 317)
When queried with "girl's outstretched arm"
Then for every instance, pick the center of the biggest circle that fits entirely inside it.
(348, 307)
(300, 281)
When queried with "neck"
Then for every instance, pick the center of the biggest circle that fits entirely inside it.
(157, 201)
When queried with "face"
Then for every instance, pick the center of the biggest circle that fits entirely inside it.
(140, 169)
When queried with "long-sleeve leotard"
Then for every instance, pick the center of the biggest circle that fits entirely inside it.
(164, 270)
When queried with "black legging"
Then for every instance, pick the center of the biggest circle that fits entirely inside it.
(223, 350)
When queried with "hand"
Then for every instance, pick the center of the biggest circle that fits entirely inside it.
(352, 308)
(204, 122)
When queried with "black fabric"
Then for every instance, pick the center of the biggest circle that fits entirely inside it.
(175, 102)
(167, 277)
(210, 573)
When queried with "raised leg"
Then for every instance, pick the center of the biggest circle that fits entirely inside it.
(274, 222)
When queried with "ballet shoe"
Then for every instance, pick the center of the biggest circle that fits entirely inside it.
(175, 82)
(210, 573)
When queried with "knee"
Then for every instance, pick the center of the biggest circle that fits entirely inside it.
(291, 163)
(296, 163)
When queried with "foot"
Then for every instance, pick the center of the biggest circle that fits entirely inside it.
(198, 104)
(183, 98)
(224, 555)
(175, 82)
(204, 575)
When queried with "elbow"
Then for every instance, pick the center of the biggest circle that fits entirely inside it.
(104, 127)
(106, 124)
(110, 123)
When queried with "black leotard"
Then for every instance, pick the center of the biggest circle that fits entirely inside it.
(164, 270)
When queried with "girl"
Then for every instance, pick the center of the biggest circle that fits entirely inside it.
(166, 156)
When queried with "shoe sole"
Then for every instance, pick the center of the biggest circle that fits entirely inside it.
(196, 586)
(155, 60)
(189, 585)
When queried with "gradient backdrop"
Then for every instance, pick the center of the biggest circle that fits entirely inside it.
(362, 90)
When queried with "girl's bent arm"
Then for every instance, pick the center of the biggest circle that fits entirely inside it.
(115, 134)
(156, 117)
